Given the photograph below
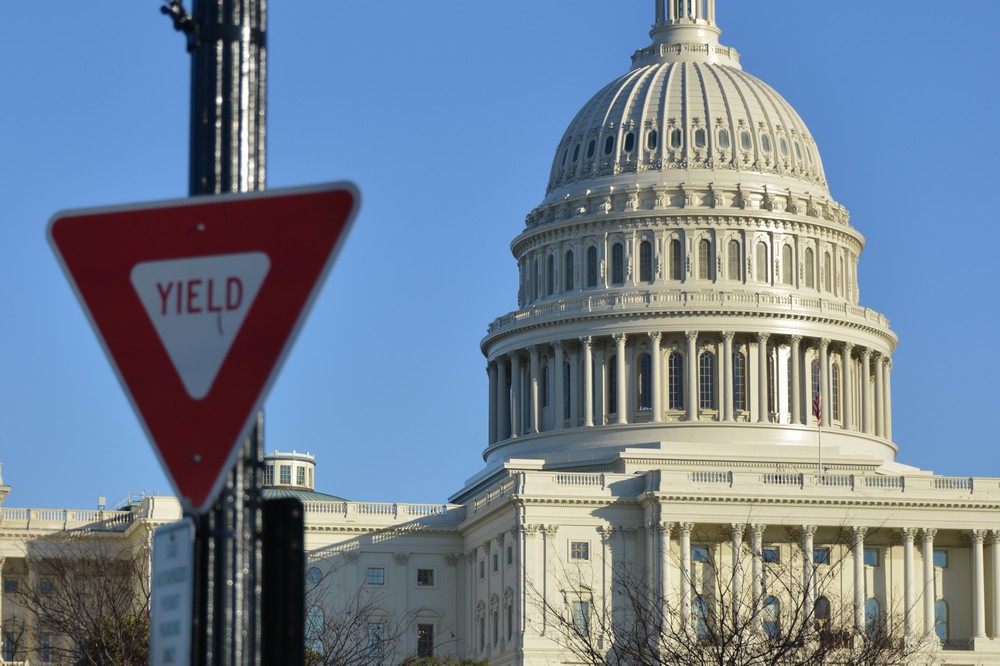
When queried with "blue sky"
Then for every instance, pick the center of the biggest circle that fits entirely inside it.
(447, 114)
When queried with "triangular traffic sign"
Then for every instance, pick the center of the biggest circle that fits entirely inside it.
(196, 302)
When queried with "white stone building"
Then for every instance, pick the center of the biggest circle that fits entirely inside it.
(688, 300)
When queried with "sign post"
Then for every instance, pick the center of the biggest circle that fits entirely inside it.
(173, 590)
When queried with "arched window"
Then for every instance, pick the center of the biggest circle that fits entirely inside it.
(591, 266)
(815, 383)
(675, 259)
(765, 143)
(746, 143)
(629, 142)
(613, 385)
(810, 269)
(941, 627)
(704, 259)
(827, 271)
(645, 387)
(550, 275)
(821, 615)
(734, 263)
(591, 148)
(724, 139)
(545, 385)
(675, 381)
(835, 392)
(700, 138)
(761, 262)
(841, 287)
(609, 145)
(739, 382)
(566, 390)
(699, 608)
(315, 624)
(568, 271)
(645, 261)
(772, 617)
(676, 139)
(787, 266)
(535, 278)
(706, 383)
(652, 138)
(617, 264)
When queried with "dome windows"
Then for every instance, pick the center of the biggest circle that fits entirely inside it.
(652, 139)
(568, 272)
(746, 143)
(798, 151)
(783, 146)
(765, 143)
(761, 261)
(700, 138)
(576, 153)
(617, 264)
(645, 262)
(734, 265)
(676, 139)
(704, 259)
(724, 139)
(675, 259)
(565, 155)
(591, 149)
(629, 142)
(609, 145)
(591, 266)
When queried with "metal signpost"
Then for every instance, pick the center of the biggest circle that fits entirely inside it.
(173, 591)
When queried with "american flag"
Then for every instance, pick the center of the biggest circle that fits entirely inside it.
(818, 409)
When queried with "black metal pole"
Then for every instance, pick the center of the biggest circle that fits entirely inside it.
(227, 41)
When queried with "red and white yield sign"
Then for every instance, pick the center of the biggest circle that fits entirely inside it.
(197, 302)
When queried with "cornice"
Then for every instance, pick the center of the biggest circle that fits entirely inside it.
(838, 503)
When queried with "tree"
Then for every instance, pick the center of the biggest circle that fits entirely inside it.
(793, 614)
(85, 601)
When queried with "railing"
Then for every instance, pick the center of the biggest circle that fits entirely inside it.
(640, 300)
(595, 480)
(783, 480)
(66, 519)
(377, 511)
(724, 478)
(960, 644)
(887, 482)
(953, 483)
(836, 480)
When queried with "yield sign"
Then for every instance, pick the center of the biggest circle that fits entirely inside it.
(197, 302)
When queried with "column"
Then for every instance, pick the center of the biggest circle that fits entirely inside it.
(657, 379)
(879, 397)
(796, 387)
(692, 375)
(588, 382)
(808, 573)
(534, 422)
(620, 387)
(909, 602)
(516, 404)
(666, 603)
(574, 387)
(686, 577)
(736, 542)
(762, 414)
(727, 378)
(978, 585)
(600, 385)
(886, 387)
(491, 370)
(930, 594)
(847, 399)
(607, 572)
(866, 392)
(558, 383)
(995, 551)
(503, 400)
(757, 584)
(660, 12)
(859, 578)
(824, 381)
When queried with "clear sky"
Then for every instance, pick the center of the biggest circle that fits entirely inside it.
(446, 114)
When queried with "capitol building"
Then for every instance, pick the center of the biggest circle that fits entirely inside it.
(690, 419)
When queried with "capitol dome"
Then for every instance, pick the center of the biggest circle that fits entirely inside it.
(687, 286)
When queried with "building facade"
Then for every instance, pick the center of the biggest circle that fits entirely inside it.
(690, 401)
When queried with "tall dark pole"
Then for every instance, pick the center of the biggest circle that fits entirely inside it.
(227, 41)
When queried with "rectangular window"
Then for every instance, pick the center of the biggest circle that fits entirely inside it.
(581, 617)
(425, 640)
(510, 555)
(376, 645)
(10, 584)
(699, 553)
(9, 646)
(510, 620)
(871, 557)
(376, 576)
(45, 648)
(821, 556)
(941, 558)
(579, 550)
(285, 473)
(300, 476)
(46, 586)
(770, 554)
(269, 475)
(496, 562)
(425, 577)
(482, 569)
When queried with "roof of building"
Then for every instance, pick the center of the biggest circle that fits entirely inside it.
(301, 494)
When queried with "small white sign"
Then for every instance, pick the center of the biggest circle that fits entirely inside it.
(197, 306)
(173, 594)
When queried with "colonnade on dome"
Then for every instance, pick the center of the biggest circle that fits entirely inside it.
(667, 376)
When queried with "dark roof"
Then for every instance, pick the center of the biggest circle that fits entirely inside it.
(301, 494)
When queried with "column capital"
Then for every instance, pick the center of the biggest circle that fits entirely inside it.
(728, 336)
(587, 342)
(758, 529)
(665, 527)
(559, 346)
(684, 529)
(859, 533)
(808, 531)
(762, 337)
(619, 338)
(848, 348)
(452, 559)
(401, 558)
(655, 337)
(796, 339)
(736, 530)
(691, 335)
(994, 539)
(550, 530)
(606, 532)
(824, 343)
(909, 533)
(977, 536)
(533, 350)
(928, 534)
(866, 353)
